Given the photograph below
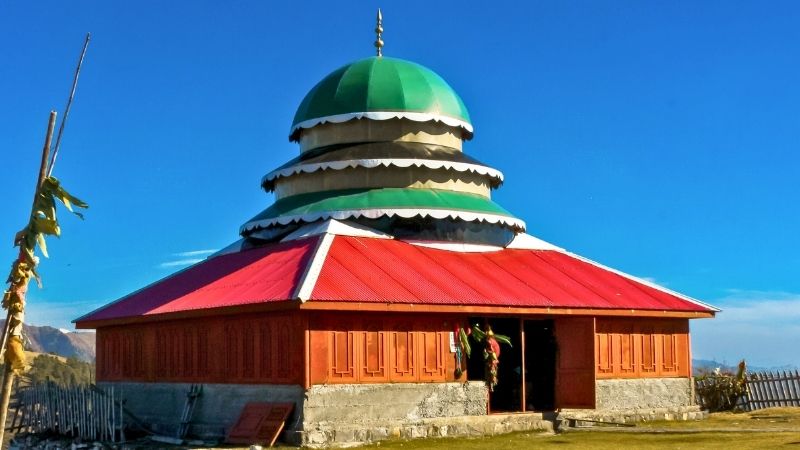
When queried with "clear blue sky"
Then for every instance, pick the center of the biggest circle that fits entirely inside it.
(660, 138)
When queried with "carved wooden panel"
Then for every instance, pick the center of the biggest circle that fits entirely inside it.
(431, 348)
(647, 339)
(343, 358)
(605, 354)
(669, 360)
(627, 352)
(379, 348)
(403, 351)
(627, 348)
(373, 355)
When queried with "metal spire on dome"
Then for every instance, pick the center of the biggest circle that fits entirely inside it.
(378, 31)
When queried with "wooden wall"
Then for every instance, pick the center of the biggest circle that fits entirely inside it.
(351, 348)
(369, 348)
(642, 348)
(263, 348)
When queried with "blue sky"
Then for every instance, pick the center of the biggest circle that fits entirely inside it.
(660, 138)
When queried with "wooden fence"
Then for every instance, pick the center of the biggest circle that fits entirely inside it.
(80, 411)
(772, 389)
(762, 390)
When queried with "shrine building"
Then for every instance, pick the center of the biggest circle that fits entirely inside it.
(347, 294)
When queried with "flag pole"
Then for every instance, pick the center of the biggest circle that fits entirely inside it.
(69, 104)
(8, 372)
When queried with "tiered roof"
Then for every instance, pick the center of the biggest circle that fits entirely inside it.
(383, 211)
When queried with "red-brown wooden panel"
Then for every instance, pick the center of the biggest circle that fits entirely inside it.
(343, 357)
(403, 360)
(604, 352)
(373, 355)
(628, 348)
(575, 377)
(380, 348)
(238, 349)
(260, 423)
(431, 348)
(627, 352)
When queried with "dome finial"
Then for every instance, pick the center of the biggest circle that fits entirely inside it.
(378, 31)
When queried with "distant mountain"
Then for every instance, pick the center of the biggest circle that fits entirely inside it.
(61, 342)
(708, 365)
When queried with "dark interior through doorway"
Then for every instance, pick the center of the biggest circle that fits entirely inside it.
(540, 364)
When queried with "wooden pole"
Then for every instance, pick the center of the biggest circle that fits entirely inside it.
(69, 104)
(523, 392)
(8, 376)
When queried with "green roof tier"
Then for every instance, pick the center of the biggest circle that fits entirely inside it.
(376, 203)
(381, 88)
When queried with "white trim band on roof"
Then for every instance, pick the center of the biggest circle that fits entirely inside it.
(384, 115)
(390, 212)
(386, 162)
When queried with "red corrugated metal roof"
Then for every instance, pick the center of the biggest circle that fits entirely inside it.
(388, 271)
(264, 274)
(370, 270)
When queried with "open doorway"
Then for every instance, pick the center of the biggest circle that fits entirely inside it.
(540, 365)
(507, 395)
(540, 361)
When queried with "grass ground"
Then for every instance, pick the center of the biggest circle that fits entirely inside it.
(764, 429)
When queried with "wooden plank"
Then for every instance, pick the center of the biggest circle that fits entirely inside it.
(576, 368)
(773, 391)
(260, 423)
(782, 379)
(113, 418)
(794, 388)
(758, 398)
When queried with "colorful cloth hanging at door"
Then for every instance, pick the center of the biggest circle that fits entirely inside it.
(462, 347)
(491, 352)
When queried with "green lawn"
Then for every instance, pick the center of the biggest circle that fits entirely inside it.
(765, 429)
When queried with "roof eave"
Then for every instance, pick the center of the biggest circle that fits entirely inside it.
(328, 305)
(455, 122)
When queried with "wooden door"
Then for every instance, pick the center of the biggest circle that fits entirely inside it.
(575, 369)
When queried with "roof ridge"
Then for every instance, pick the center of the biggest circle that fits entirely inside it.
(309, 279)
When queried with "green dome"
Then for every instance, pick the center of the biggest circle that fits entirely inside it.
(381, 88)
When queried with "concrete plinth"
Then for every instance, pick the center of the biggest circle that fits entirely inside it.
(160, 404)
(349, 414)
(644, 393)
(641, 399)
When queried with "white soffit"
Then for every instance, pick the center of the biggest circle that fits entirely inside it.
(524, 241)
(460, 247)
(335, 227)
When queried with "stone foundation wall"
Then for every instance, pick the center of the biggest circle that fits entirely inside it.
(160, 404)
(644, 393)
(343, 414)
(638, 400)
(349, 414)
(324, 435)
(393, 401)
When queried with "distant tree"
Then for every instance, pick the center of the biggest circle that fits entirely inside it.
(71, 372)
